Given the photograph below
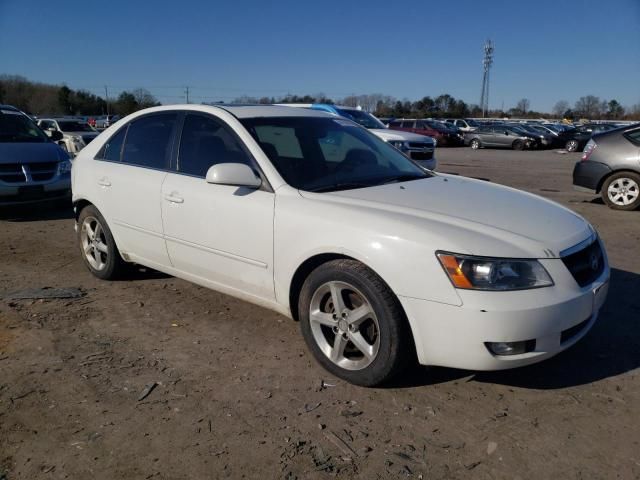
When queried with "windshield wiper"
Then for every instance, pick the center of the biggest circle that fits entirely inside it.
(338, 186)
(401, 178)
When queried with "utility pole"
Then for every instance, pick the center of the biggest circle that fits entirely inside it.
(106, 98)
(487, 62)
(186, 91)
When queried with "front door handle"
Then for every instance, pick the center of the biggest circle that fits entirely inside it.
(173, 198)
(104, 182)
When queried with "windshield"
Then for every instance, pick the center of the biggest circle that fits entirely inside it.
(472, 123)
(74, 126)
(328, 154)
(518, 130)
(17, 128)
(363, 118)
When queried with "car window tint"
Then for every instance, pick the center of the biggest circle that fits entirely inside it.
(148, 142)
(113, 147)
(205, 142)
(281, 139)
(634, 136)
(394, 124)
(408, 124)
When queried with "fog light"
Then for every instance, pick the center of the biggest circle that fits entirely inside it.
(511, 348)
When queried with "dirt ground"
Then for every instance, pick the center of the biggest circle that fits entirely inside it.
(237, 395)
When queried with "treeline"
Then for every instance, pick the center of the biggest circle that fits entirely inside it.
(38, 98)
(447, 106)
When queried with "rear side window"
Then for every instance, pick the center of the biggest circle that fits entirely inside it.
(205, 142)
(408, 124)
(633, 136)
(149, 139)
(113, 147)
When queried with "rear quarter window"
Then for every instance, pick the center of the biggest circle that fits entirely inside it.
(633, 136)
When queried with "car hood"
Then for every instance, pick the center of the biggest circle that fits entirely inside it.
(476, 216)
(31, 153)
(399, 135)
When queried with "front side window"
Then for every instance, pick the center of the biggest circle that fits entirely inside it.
(205, 142)
(633, 136)
(148, 141)
(325, 154)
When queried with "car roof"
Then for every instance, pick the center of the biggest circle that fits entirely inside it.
(9, 107)
(241, 111)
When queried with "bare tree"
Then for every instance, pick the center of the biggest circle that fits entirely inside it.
(560, 108)
(523, 106)
(144, 98)
(590, 106)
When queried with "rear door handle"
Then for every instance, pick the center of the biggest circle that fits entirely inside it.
(173, 198)
(104, 182)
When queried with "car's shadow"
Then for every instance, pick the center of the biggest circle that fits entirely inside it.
(37, 212)
(611, 348)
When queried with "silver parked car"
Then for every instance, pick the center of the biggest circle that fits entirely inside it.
(610, 165)
(76, 134)
(500, 136)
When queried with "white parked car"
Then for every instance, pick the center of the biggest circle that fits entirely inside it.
(315, 217)
(76, 134)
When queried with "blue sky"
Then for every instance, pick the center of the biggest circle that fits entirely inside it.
(545, 50)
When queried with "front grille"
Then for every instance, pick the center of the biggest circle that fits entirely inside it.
(28, 172)
(420, 145)
(569, 333)
(421, 155)
(586, 265)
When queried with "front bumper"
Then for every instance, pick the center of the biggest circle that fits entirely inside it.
(555, 317)
(587, 175)
(24, 194)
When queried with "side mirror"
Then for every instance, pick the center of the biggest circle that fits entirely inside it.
(506, 133)
(235, 174)
(55, 135)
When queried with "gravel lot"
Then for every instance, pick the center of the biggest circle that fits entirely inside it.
(238, 396)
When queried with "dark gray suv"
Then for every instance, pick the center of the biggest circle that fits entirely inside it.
(610, 165)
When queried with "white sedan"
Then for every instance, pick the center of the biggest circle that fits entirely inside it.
(380, 261)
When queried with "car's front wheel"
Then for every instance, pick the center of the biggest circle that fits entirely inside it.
(97, 246)
(621, 191)
(353, 323)
(475, 144)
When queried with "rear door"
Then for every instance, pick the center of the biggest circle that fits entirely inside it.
(128, 174)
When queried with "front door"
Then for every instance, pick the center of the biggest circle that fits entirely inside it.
(218, 233)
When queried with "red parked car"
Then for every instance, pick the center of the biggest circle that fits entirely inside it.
(445, 134)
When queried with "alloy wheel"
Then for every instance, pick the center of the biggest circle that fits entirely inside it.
(623, 191)
(344, 325)
(94, 243)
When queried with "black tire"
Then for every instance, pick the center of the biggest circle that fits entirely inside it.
(114, 266)
(395, 344)
(518, 145)
(475, 144)
(629, 180)
(572, 145)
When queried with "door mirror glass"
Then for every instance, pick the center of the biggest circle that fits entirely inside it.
(235, 174)
(55, 135)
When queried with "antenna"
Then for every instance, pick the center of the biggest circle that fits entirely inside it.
(487, 62)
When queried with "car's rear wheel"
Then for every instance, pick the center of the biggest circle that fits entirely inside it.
(518, 145)
(97, 246)
(571, 146)
(621, 191)
(475, 144)
(353, 323)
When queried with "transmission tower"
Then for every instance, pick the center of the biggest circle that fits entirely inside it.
(486, 63)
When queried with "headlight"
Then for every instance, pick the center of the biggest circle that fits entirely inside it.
(399, 144)
(482, 273)
(77, 139)
(64, 167)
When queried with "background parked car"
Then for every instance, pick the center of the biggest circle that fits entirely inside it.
(105, 121)
(610, 165)
(545, 139)
(500, 136)
(445, 134)
(76, 134)
(576, 139)
(32, 167)
(464, 124)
